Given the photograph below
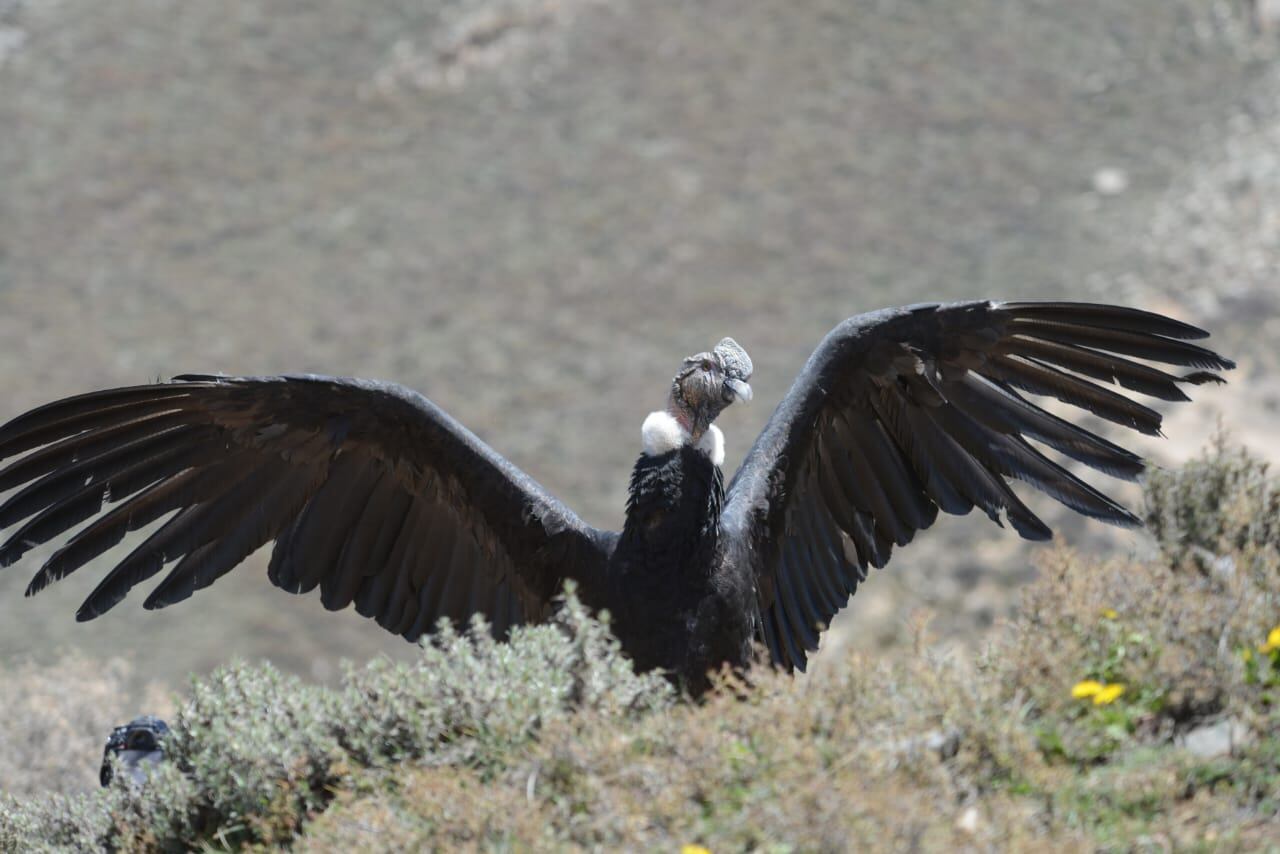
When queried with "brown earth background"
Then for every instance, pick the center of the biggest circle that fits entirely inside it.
(530, 210)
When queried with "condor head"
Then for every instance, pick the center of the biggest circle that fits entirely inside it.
(701, 389)
(707, 383)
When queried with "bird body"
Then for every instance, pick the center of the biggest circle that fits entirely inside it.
(376, 496)
(686, 606)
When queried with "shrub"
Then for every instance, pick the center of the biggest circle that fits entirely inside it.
(255, 753)
(1213, 507)
(1171, 631)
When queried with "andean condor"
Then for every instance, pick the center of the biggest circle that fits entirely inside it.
(379, 498)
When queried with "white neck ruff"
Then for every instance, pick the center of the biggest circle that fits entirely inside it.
(661, 433)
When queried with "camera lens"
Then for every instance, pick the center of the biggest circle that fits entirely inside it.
(140, 739)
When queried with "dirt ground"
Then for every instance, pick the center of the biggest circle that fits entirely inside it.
(530, 210)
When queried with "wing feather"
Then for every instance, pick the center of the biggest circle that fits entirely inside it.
(73, 415)
(398, 598)
(368, 491)
(369, 545)
(240, 523)
(1096, 315)
(921, 452)
(1012, 457)
(143, 460)
(796, 635)
(1101, 366)
(902, 413)
(84, 446)
(1003, 410)
(811, 559)
(1142, 345)
(827, 563)
(1042, 378)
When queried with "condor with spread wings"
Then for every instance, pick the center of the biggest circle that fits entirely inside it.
(377, 497)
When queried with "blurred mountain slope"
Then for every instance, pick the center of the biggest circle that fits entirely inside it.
(531, 210)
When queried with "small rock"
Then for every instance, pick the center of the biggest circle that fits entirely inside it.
(947, 744)
(1110, 181)
(968, 821)
(1217, 739)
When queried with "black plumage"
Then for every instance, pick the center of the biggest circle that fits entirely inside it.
(381, 500)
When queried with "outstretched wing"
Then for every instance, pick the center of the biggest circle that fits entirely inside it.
(369, 490)
(901, 412)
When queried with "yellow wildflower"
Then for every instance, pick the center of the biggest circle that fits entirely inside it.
(1109, 614)
(1087, 688)
(694, 849)
(1108, 694)
(1246, 654)
(1102, 694)
(1273, 641)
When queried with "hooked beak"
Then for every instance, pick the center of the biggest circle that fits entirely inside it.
(737, 388)
(735, 364)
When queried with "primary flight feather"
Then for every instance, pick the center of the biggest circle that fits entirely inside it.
(376, 496)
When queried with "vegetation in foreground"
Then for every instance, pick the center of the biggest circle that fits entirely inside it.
(1131, 705)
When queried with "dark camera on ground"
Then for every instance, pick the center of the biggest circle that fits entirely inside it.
(136, 746)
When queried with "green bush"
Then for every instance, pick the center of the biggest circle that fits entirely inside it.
(1222, 503)
(255, 753)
